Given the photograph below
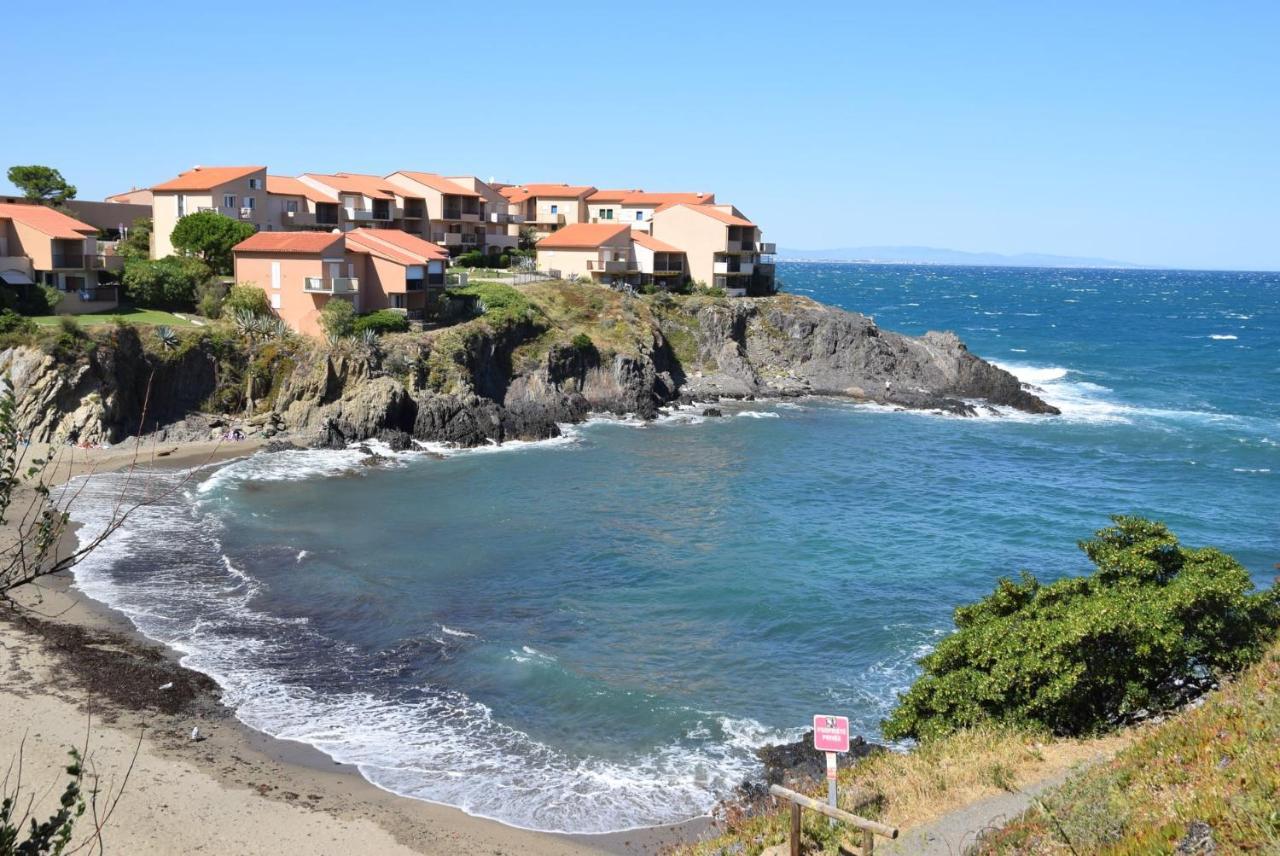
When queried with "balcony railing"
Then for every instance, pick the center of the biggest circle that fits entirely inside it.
(470, 240)
(608, 266)
(731, 267)
(557, 219)
(331, 285)
(70, 261)
(360, 214)
(98, 294)
(668, 267)
(767, 249)
(449, 239)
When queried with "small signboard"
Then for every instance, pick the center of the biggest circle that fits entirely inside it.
(831, 733)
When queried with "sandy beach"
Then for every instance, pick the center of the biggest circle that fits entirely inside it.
(75, 674)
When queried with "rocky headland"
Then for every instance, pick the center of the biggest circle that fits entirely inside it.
(528, 360)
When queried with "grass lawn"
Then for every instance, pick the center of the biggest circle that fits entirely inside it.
(131, 314)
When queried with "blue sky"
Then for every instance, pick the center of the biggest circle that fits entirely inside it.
(1148, 133)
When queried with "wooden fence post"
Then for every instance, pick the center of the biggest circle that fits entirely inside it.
(795, 829)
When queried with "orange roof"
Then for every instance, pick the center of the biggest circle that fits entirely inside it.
(519, 193)
(639, 197)
(207, 177)
(710, 211)
(437, 182)
(312, 243)
(395, 245)
(582, 235)
(367, 185)
(283, 185)
(644, 239)
(46, 221)
(610, 195)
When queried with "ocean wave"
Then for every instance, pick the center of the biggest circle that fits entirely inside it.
(1225, 337)
(283, 677)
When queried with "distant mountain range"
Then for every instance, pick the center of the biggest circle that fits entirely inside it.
(936, 256)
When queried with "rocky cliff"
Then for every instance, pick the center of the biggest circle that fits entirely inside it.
(548, 354)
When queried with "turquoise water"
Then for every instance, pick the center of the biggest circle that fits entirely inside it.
(591, 633)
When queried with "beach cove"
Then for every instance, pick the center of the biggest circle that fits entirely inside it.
(543, 631)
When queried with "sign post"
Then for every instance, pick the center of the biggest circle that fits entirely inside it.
(831, 735)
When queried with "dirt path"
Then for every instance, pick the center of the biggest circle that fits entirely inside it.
(952, 833)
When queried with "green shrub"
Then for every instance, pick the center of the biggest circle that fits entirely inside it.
(1078, 656)
(11, 324)
(382, 321)
(504, 261)
(471, 259)
(167, 283)
(499, 303)
(246, 298)
(583, 342)
(210, 298)
(338, 318)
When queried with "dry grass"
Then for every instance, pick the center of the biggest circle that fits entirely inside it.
(1214, 770)
(917, 787)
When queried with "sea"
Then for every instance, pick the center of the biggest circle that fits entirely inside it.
(592, 633)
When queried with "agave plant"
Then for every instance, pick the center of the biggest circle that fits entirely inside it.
(245, 322)
(167, 338)
(369, 338)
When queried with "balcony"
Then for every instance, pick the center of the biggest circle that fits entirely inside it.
(449, 239)
(740, 247)
(331, 285)
(767, 249)
(68, 261)
(359, 214)
(470, 240)
(608, 266)
(98, 294)
(416, 212)
(298, 219)
(382, 212)
(667, 268)
(731, 268)
(552, 219)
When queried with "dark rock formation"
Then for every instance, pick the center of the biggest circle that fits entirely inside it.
(800, 762)
(474, 384)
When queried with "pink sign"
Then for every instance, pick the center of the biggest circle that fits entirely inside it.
(831, 733)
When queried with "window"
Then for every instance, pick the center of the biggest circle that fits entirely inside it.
(291, 206)
(606, 213)
(228, 201)
(639, 215)
(182, 205)
(397, 301)
(255, 184)
(275, 301)
(555, 209)
(248, 202)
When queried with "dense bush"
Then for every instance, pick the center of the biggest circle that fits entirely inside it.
(246, 298)
(1080, 655)
(472, 259)
(167, 283)
(14, 328)
(499, 303)
(210, 236)
(583, 342)
(338, 318)
(382, 321)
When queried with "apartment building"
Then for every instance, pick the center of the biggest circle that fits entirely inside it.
(454, 215)
(498, 219)
(369, 201)
(401, 272)
(292, 204)
(636, 207)
(374, 269)
(238, 192)
(597, 251)
(722, 247)
(547, 207)
(41, 246)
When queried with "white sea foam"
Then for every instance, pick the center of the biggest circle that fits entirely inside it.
(183, 590)
(302, 554)
(1226, 337)
(444, 628)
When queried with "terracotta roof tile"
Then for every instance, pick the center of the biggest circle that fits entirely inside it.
(311, 243)
(644, 239)
(207, 177)
(283, 185)
(395, 245)
(639, 197)
(371, 186)
(582, 235)
(46, 221)
(710, 211)
(437, 182)
(519, 193)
